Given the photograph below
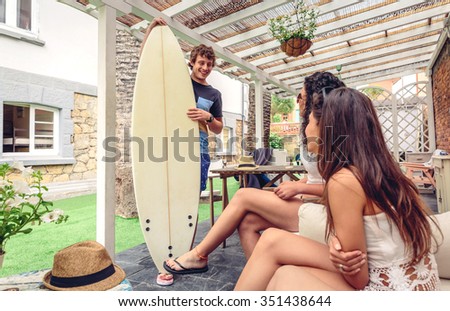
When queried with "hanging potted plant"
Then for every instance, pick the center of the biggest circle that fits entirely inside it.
(294, 32)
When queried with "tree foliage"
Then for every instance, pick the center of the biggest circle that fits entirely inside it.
(275, 141)
(281, 105)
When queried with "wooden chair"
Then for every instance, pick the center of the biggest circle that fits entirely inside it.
(419, 173)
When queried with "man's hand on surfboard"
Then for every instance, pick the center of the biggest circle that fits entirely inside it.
(157, 21)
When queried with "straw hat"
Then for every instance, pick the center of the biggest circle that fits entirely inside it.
(83, 266)
(247, 163)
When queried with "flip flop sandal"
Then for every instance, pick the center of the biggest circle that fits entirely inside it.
(185, 270)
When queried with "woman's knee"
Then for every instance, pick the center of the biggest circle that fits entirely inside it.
(250, 222)
(280, 278)
(271, 237)
(242, 195)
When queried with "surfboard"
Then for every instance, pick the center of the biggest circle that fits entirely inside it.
(165, 148)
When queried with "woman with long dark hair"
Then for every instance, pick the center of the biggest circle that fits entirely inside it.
(252, 210)
(372, 207)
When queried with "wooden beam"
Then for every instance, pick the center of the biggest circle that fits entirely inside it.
(182, 7)
(106, 127)
(145, 11)
(374, 67)
(406, 20)
(374, 63)
(358, 48)
(243, 14)
(392, 74)
(326, 28)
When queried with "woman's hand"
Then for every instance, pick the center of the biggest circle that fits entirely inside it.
(287, 190)
(347, 263)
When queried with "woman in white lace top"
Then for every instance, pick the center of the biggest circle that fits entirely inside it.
(374, 212)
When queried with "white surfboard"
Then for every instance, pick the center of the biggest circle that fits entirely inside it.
(166, 173)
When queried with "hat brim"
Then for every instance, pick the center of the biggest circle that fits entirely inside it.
(108, 283)
(247, 168)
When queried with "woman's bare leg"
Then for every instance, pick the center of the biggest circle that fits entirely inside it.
(288, 278)
(250, 231)
(277, 248)
(266, 204)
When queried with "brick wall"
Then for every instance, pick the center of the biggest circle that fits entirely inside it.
(441, 97)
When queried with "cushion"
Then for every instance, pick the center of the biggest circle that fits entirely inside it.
(443, 252)
(312, 221)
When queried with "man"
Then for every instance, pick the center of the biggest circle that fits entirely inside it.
(208, 111)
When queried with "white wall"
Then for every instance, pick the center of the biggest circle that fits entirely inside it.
(70, 50)
(232, 98)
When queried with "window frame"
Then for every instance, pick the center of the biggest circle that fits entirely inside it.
(32, 123)
(10, 26)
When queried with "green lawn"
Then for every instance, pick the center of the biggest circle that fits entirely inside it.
(35, 251)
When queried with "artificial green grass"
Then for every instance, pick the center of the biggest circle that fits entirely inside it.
(35, 251)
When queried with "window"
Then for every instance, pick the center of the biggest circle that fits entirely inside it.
(18, 16)
(24, 14)
(30, 129)
(2, 11)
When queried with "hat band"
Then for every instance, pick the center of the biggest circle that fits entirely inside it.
(247, 165)
(82, 280)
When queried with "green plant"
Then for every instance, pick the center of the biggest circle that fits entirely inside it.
(373, 92)
(276, 118)
(21, 203)
(275, 141)
(302, 23)
(281, 105)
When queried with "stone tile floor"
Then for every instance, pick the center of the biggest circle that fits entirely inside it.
(225, 265)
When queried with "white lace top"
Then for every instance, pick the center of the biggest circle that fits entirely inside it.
(390, 267)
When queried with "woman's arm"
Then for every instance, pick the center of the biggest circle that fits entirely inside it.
(288, 189)
(347, 201)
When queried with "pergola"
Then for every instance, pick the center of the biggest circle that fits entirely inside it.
(371, 40)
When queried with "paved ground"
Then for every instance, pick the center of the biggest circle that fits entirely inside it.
(225, 265)
(69, 189)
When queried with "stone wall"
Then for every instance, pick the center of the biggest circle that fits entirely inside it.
(441, 97)
(84, 140)
(249, 137)
(126, 65)
(239, 132)
(267, 105)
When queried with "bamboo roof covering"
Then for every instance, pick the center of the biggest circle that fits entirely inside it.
(371, 40)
